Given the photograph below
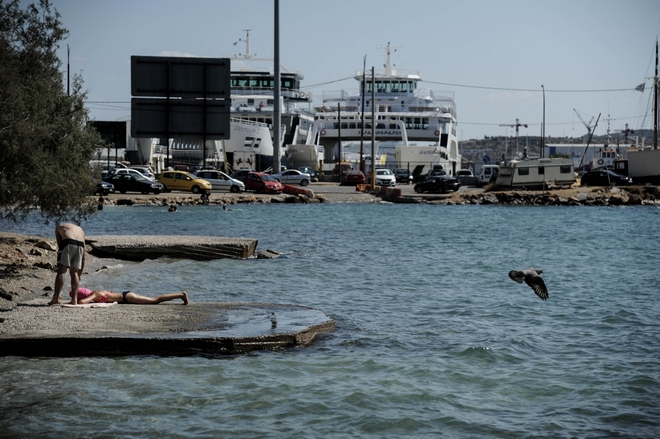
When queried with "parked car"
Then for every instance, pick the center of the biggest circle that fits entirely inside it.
(345, 168)
(403, 175)
(439, 184)
(488, 174)
(104, 188)
(135, 183)
(354, 177)
(385, 177)
(604, 178)
(183, 181)
(293, 176)
(220, 180)
(129, 171)
(262, 183)
(464, 173)
(435, 173)
(311, 171)
(144, 170)
(182, 167)
(240, 174)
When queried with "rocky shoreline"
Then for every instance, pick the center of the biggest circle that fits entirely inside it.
(578, 196)
(575, 196)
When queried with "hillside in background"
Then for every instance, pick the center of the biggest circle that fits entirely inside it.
(473, 150)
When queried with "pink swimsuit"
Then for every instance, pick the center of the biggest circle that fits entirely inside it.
(86, 292)
(82, 293)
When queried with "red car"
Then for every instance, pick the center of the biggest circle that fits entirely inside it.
(262, 183)
(355, 177)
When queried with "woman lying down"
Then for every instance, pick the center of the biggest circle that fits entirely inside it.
(86, 295)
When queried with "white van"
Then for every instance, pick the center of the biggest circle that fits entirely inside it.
(487, 173)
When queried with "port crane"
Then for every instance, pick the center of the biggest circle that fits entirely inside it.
(589, 125)
(517, 125)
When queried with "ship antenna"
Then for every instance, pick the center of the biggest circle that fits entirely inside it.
(389, 67)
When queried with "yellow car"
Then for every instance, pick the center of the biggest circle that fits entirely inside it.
(183, 181)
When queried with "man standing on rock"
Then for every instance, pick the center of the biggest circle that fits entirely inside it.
(71, 257)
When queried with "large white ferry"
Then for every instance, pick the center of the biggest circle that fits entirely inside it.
(251, 143)
(414, 127)
(253, 102)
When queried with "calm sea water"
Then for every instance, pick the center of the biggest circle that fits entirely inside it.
(433, 338)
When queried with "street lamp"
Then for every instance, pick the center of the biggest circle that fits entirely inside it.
(543, 126)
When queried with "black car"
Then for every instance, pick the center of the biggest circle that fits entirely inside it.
(133, 183)
(403, 175)
(441, 183)
(104, 188)
(604, 177)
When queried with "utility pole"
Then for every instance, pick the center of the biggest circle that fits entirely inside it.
(372, 180)
(364, 79)
(277, 114)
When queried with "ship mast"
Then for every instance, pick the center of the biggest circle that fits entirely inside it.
(247, 44)
(655, 104)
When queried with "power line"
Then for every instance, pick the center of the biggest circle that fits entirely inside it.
(530, 89)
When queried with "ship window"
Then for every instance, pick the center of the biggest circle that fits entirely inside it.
(248, 141)
(566, 169)
(269, 102)
(523, 171)
(541, 170)
(257, 142)
(393, 126)
(250, 101)
(425, 123)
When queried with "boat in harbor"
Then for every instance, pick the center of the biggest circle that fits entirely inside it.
(251, 143)
(253, 107)
(413, 127)
(644, 163)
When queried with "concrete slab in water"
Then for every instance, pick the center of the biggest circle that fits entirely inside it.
(33, 330)
(140, 247)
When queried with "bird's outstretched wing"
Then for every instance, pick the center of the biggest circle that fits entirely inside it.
(536, 282)
(518, 276)
(531, 277)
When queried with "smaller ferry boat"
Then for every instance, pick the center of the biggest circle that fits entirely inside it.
(412, 126)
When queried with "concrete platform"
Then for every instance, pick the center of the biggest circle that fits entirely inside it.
(141, 247)
(171, 329)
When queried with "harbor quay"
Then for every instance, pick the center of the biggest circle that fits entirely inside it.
(30, 327)
(34, 329)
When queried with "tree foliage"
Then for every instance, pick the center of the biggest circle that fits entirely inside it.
(45, 139)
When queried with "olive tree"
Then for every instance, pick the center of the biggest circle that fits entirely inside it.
(45, 139)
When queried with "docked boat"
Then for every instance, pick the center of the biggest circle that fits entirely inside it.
(644, 164)
(253, 102)
(412, 126)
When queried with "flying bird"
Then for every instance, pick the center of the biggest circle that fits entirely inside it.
(531, 278)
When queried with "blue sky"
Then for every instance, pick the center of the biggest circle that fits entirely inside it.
(493, 55)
